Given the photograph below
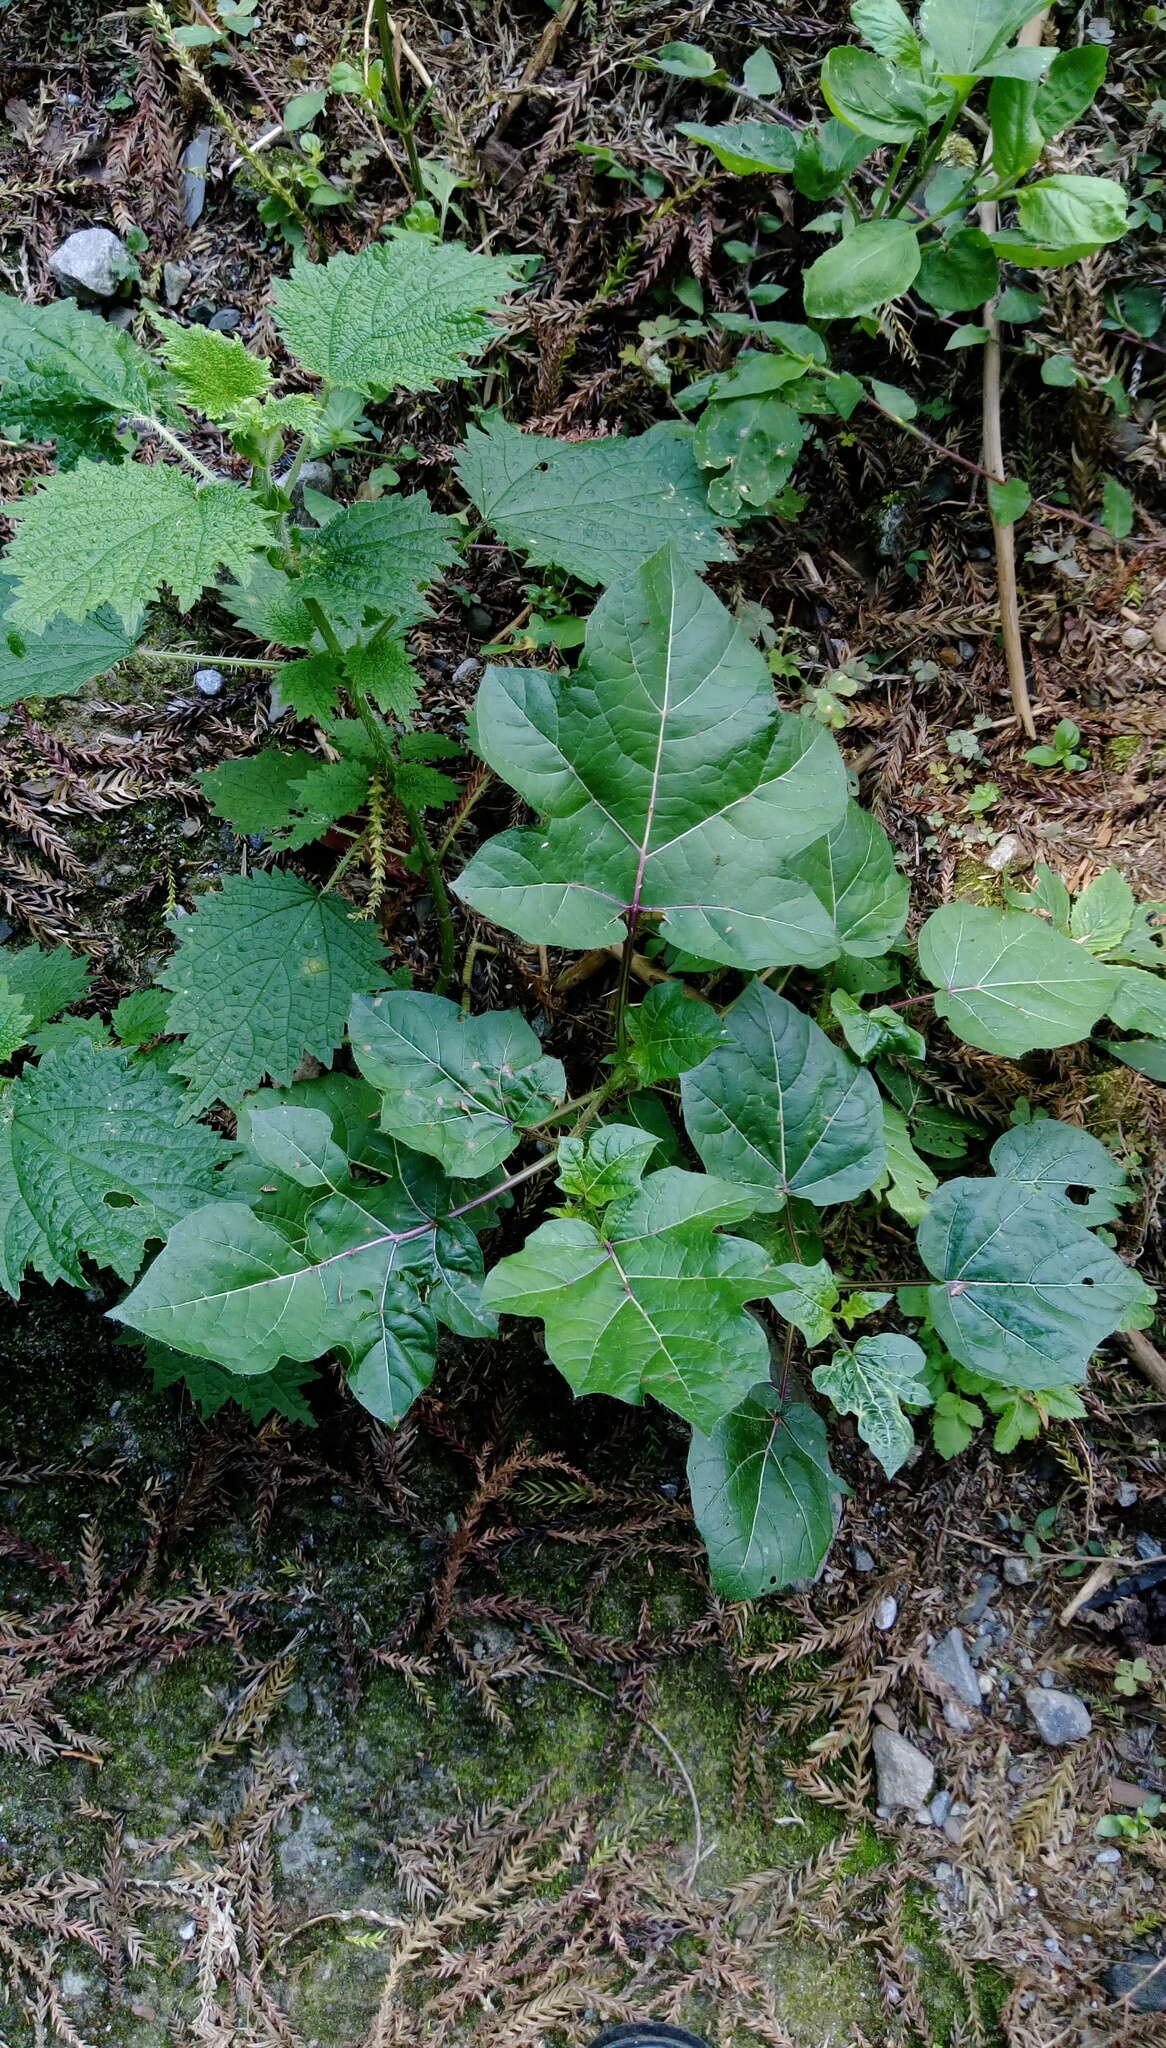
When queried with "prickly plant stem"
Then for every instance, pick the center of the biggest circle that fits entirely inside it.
(153, 426)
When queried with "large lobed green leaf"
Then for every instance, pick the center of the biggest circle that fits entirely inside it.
(673, 786)
(94, 1162)
(595, 508)
(1008, 982)
(265, 972)
(762, 1493)
(461, 1089)
(115, 533)
(405, 314)
(781, 1110)
(653, 1304)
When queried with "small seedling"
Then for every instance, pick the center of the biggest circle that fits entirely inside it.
(1064, 751)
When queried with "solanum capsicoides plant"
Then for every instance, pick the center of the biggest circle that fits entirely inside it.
(684, 1193)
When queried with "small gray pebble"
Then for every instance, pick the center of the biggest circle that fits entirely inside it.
(208, 681)
(886, 1613)
(1108, 1856)
(225, 320)
(1046, 1679)
(1127, 1493)
(982, 1599)
(467, 671)
(1060, 1717)
(957, 1717)
(1135, 638)
(863, 1561)
(948, 1661)
(905, 1776)
(1017, 1571)
(1147, 1546)
(939, 1808)
(94, 263)
(176, 279)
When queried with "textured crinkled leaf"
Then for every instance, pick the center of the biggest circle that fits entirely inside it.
(656, 1305)
(1008, 983)
(595, 508)
(62, 659)
(461, 1089)
(405, 314)
(1026, 1293)
(264, 973)
(290, 798)
(15, 1023)
(141, 1016)
(69, 376)
(762, 1493)
(607, 1166)
(384, 670)
(806, 1296)
(46, 983)
(271, 607)
(1053, 1157)
(670, 1031)
(94, 1161)
(673, 786)
(214, 372)
(377, 557)
(781, 1110)
(852, 872)
(870, 1381)
(116, 533)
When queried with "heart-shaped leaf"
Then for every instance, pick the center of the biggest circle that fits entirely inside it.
(673, 786)
(461, 1089)
(1052, 1158)
(783, 1111)
(1008, 983)
(762, 1493)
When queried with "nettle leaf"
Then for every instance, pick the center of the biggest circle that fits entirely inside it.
(46, 983)
(653, 1305)
(94, 1162)
(605, 1168)
(595, 508)
(1027, 1293)
(870, 1381)
(877, 261)
(407, 314)
(1053, 1157)
(15, 1023)
(69, 376)
(210, 1387)
(806, 1296)
(670, 1031)
(140, 1017)
(781, 1110)
(1009, 983)
(461, 1089)
(673, 786)
(377, 558)
(116, 534)
(852, 872)
(214, 372)
(264, 973)
(272, 608)
(265, 793)
(763, 1495)
(62, 659)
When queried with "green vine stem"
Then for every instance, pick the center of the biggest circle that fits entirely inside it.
(390, 42)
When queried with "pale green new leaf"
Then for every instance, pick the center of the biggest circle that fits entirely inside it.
(806, 1296)
(1008, 983)
(966, 35)
(69, 376)
(265, 973)
(655, 1305)
(116, 533)
(781, 1110)
(377, 557)
(1053, 1157)
(852, 872)
(1068, 213)
(214, 372)
(1104, 912)
(62, 659)
(1026, 1293)
(595, 508)
(878, 98)
(670, 1031)
(673, 787)
(95, 1161)
(605, 1167)
(871, 1381)
(460, 1089)
(876, 261)
(406, 314)
(762, 1493)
